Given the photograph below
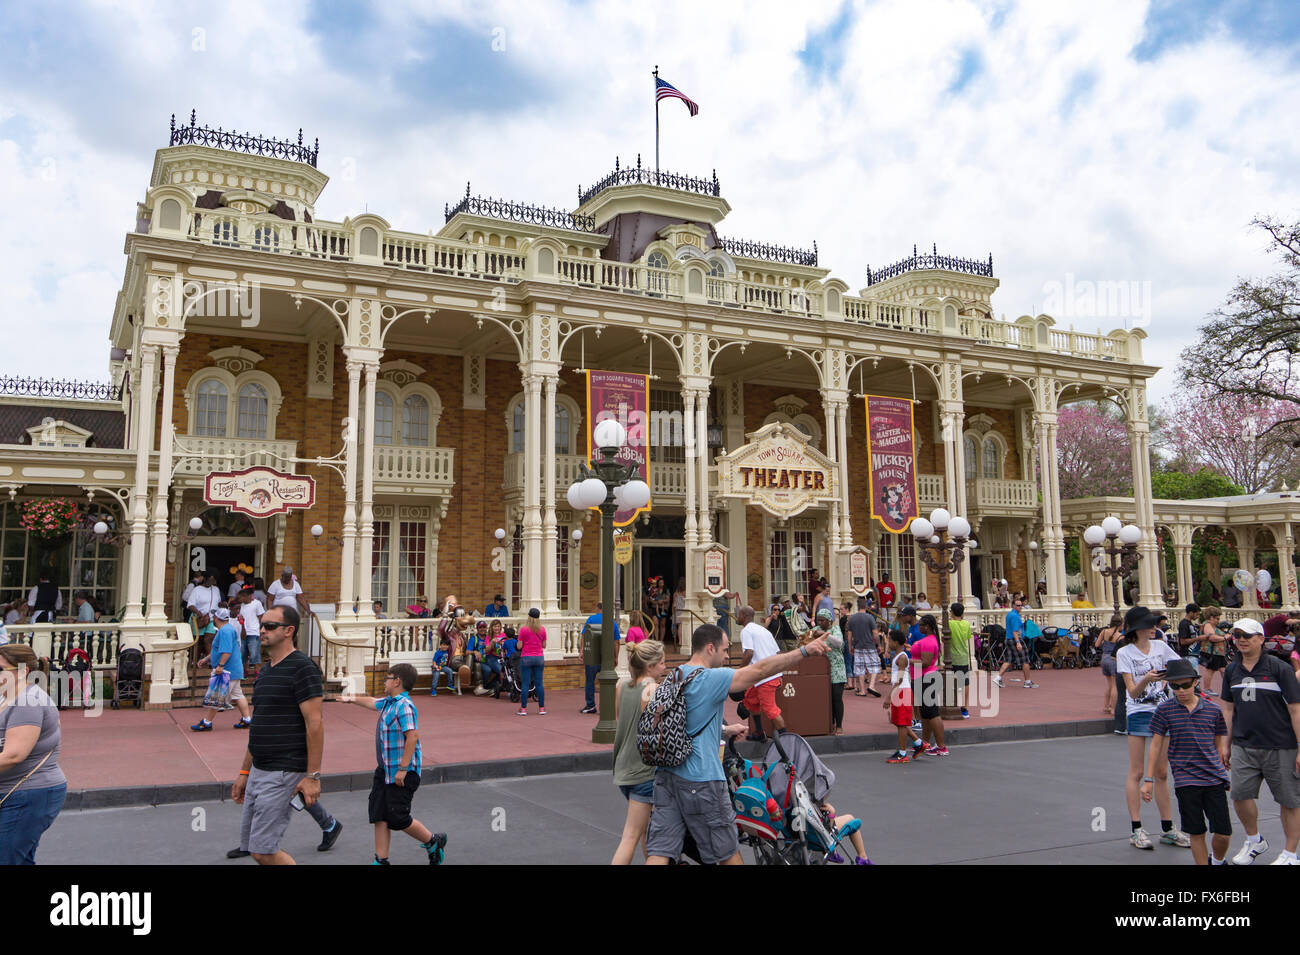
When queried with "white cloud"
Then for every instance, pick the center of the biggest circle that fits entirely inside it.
(1151, 175)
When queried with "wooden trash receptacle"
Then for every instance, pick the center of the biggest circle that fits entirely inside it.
(805, 697)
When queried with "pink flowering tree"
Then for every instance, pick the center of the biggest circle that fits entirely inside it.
(1092, 451)
(1247, 439)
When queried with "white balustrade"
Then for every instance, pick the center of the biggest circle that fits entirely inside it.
(930, 489)
(197, 456)
(419, 466)
(998, 493)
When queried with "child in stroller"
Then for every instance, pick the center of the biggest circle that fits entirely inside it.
(782, 809)
(510, 675)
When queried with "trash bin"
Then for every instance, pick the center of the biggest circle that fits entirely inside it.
(804, 697)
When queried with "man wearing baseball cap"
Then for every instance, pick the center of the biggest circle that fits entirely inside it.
(1261, 702)
(226, 657)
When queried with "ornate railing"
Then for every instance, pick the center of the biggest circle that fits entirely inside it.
(934, 260)
(772, 253)
(627, 175)
(59, 388)
(519, 212)
(195, 135)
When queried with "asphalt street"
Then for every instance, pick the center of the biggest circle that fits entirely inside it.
(1057, 801)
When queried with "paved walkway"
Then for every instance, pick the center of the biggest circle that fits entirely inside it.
(133, 748)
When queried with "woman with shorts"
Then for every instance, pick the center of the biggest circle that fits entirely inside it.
(1213, 654)
(1141, 661)
(1107, 640)
(645, 662)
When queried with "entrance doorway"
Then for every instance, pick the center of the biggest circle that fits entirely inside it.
(223, 560)
(666, 561)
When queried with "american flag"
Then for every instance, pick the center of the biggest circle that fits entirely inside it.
(666, 90)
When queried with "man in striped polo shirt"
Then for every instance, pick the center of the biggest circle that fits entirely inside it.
(1192, 732)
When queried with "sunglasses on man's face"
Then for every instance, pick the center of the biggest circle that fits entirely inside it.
(273, 625)
(1239, 635)
(1183, 686)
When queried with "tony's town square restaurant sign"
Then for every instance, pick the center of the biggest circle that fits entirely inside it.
(778, 472)
(259, 491)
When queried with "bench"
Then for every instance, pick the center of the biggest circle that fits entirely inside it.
(422, 660)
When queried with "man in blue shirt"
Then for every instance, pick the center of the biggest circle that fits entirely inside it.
(497, 608)
(226, 657)
(1017, 652)
(594, 670)
(694, 795)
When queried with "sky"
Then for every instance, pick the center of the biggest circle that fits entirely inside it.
(1117, 142)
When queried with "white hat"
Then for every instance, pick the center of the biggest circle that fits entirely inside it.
(221, 613)
(1248, 625)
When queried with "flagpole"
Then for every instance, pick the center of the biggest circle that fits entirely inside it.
(656, 76)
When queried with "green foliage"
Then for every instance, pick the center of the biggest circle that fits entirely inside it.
(1181, 486)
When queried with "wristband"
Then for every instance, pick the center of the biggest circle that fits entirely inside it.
(243, 772)
(1148, 779)
(803, 651)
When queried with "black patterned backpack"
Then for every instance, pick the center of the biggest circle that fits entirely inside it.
(661, 734)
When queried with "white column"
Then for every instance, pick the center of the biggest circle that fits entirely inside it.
(550, 546)
(145, 401)
(832, 450)
(842, 434)
(704, 521)
(158, 546)
(1246, 559)
(692, 536)
(1286, 565)
(531, 592)
(348, 557)
(1149, 566)
(954, 455)
(1053, 539)
(365, 610)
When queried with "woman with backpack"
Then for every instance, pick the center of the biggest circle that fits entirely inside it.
(645, 661)
(1213, 655)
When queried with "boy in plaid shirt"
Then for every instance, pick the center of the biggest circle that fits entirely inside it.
(397, 749)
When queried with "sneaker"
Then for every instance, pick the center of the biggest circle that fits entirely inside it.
(480, 691)
(835, 858)
(1249, 852)
(238, 854)
(1030, 685)
(917, 748)
(1176, 837)
(917, 726)
(243, 724)
(379, 861)
(898, 757)
(932, 750)
(1141, 840)
(588, 709)
(1121, 732)
(938, 751)
(436, 848)
(862, 860)
(541, 711)
(875, 693)
(522, 712)
(329, 837)
(997, 681)
(1284, 859)
(202, 726)
(965, 713)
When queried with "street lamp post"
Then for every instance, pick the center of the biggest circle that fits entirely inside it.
(942, 541)
(611, 485)
(1119, 550)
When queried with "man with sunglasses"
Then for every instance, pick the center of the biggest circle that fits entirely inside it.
(1191, 732)
(285, 742)
(1261, 703)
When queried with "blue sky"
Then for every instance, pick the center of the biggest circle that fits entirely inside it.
(1113, 141)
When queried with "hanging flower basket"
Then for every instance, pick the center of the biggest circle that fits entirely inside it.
(50, 519)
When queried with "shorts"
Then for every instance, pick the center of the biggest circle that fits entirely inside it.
(963, 669)
(866, 661)
(1213, 662)
(900, 707)
(931, 694)
(236, 691)
(266, 809)
(391, 803)
(1108, 665)
(1198, 803)
(641, 792)
(762, 699)
(1138, 724)
(1274, 766)
(702, 808)
(1017, 654)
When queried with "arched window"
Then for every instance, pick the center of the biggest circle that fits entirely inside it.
(415, 422)
(517, 425)
(561, 429)
(210, 415)
(657, 260)
(972, 454)
(657, 281)
(992, 467)
(383, 418)
(252, 411)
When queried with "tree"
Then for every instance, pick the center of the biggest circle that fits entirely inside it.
(1092, 451)
(1172, 485)
(1249, 347)
(1245, 438)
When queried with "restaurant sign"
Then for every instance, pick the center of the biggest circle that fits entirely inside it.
(259, 491)
(778, 471)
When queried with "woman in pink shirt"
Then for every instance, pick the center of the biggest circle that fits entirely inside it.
(929, 653)
(634, 632)
(532, 643)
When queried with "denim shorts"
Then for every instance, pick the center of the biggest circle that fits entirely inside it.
(641, 792)
(1139, 724)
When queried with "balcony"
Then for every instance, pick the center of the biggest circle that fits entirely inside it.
(995, 495)
(667, 481)
(403, 470)
(196, 456)
(930, 491)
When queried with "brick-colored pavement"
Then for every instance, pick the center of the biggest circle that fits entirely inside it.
(128, 747)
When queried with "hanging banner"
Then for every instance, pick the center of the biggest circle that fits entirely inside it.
(625, 397)
(891, 450)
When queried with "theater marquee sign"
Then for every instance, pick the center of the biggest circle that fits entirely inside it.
(778, 471)
(259, 491)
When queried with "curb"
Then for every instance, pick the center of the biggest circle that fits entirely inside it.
(171, 794)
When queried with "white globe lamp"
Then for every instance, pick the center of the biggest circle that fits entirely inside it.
(577, 534)
(574, 496)
(499, 533)
(100, 528)
(609, 434)
(1130, 534)
(940, 518)
(636, 494)
(922, 529)
(196, 523)
(959, 527)
(317, 531)
(1111, 526)
(1093, 536)
(592, 492)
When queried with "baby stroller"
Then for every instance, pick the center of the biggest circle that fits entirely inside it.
(512, 680)
(778, 800)
(1089, 652)
(129, 685)
(73, 686)
(992, 647)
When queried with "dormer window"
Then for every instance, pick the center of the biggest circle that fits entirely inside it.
(51, 433)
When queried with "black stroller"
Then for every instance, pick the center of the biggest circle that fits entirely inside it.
(511, 681)
(129, 685)
(993, 647)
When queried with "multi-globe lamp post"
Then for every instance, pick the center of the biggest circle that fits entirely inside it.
(943, 540)
(611, 485)
(1119, 551)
